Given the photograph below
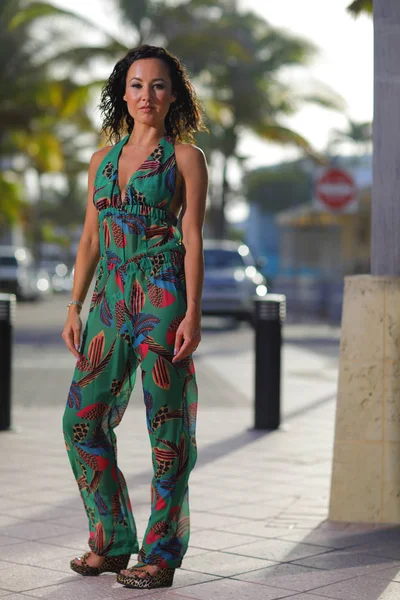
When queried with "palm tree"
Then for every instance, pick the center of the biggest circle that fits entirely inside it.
(244, 91)
(236, 59)
(359, 134)
(38, 111)
(11, 203)
(360, 6)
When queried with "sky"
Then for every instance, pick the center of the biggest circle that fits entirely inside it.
(343, 62)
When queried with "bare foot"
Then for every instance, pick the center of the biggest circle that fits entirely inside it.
(93, 560)
(141, 570)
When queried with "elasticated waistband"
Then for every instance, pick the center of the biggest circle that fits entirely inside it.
(142, 209)
(173, 255)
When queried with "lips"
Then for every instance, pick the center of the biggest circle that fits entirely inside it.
(146, 108)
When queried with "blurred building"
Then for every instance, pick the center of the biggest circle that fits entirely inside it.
(318, 248)
(262, 235)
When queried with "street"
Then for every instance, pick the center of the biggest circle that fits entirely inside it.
(224, 361)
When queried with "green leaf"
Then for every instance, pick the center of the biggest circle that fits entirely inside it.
(360, 6)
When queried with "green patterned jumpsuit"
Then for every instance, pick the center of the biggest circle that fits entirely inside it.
(138, 303)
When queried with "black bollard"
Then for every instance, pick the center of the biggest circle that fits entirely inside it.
(7, 319)
(270, 312)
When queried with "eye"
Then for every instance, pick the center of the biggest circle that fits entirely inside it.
(135, 85)
(159, 86)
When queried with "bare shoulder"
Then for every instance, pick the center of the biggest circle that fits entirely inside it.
(189, 156)
(98, 156)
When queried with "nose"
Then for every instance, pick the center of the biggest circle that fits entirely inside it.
(146, 94)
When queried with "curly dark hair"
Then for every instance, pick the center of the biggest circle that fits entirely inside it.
(184, 117)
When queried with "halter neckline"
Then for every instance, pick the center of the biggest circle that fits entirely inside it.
(123, 143)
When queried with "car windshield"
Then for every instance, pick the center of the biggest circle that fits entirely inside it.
(222, 259)
(8, 261)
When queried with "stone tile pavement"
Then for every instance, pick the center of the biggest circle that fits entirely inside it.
(259, 501)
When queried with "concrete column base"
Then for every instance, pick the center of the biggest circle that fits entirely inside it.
(366, 463)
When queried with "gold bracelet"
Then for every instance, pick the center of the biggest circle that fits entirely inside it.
(77, 302)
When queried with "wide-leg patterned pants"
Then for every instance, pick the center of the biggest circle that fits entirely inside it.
(134, 315)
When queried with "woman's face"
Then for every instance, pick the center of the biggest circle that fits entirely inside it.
(148, 91)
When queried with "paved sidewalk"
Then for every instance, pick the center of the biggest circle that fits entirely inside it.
(258, 499)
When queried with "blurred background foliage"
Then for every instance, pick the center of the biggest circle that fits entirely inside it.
(361, 6)
(48, 94)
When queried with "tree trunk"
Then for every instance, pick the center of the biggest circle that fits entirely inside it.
(37, 222)
(385, 244)
(220, 231)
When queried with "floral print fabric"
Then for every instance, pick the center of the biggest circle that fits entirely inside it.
(138, 303)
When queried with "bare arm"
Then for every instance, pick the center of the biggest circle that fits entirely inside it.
(193, 168)
(86, 261)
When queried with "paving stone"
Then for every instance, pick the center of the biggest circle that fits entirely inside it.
(4, 593)
(184, 578)
(76, 539)
(215, 504)
(11, 596)
(352, 563)
(365, 588)
(390, 574)
(292, 577)
(191, 551)
(300, 523)
(224, 564)
(6, 540)
(334, 525)
(39, 512)
(250, 511)
(6, 520)
(4, 564)
(278, 550)
(8, 501)
(36, 553)
(76, 521)
(16, 580)
(34, 530)
(231, 589)
(217, 540)
(281, 517)
(204, 520)
(259, 529)
(84, 588)
(388, 548)
(322, 537)
(307, 597)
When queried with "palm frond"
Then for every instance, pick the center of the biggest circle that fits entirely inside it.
(83, 55)
(35, 10)
(359, 7)
(274, 132)
(331, 102)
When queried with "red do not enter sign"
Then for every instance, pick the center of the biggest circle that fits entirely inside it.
(335, 188)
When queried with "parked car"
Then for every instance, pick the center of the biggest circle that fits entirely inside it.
(60, 277)
(19, 276)
(231, 280)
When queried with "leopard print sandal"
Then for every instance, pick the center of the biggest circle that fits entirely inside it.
(111, 564)
(163, 578)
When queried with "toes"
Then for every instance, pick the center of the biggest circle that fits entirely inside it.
(77, 561)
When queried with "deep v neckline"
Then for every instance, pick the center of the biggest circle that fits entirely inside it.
(140, 168)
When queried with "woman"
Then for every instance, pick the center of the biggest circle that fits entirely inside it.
(145, 310)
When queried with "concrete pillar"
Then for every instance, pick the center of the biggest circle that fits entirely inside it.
(366, 465)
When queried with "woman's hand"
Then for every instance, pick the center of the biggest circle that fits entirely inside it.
(72, 332)
(187, 338)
